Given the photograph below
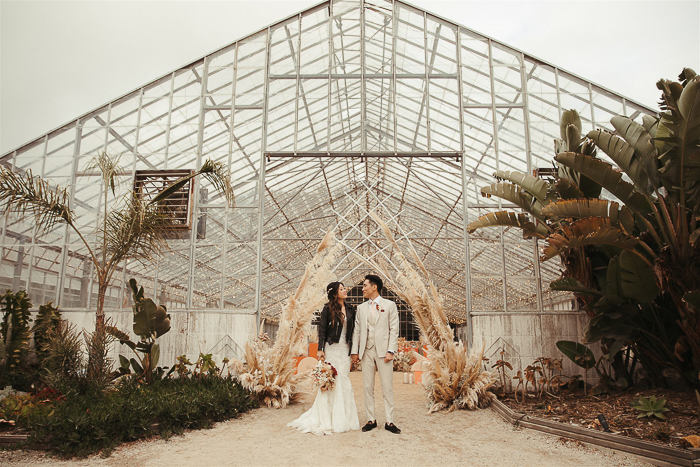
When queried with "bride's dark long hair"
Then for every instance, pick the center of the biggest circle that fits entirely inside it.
(333, 303)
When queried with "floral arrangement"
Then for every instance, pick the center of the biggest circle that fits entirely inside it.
(406, 355)
(403, 360)
(323, 376)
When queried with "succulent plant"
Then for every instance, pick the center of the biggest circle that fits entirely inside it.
(651, 407)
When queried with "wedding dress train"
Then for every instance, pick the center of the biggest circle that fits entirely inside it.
(333, 411)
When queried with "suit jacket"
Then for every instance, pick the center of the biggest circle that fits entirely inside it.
(386, 330)
(329, 333)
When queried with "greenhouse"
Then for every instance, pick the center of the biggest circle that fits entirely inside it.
(347, 109)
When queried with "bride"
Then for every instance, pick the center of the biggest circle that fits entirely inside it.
(334, 411)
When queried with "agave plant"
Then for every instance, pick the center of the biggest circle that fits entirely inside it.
(651, 407)
(137, 230)
(645, 233)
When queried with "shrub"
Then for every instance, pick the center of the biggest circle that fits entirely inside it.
(65, 367)
(89, 423)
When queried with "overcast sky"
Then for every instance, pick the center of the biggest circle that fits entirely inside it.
(60, 59)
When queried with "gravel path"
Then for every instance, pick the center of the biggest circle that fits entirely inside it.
(261, 438)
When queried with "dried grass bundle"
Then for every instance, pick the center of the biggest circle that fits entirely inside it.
(452, 377)
(269, 371)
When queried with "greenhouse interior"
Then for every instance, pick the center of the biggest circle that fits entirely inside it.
(349, 109)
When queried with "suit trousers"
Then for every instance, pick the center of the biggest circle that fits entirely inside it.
(386, 376)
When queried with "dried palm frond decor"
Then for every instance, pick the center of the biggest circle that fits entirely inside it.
(453, 377)
(269, 371)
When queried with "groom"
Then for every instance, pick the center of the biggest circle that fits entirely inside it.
(375, 340)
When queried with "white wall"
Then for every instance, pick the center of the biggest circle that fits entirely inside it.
(219, 333)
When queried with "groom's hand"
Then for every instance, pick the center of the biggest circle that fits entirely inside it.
(388, 357)
(354, 357)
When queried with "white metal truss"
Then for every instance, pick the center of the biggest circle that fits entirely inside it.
(307, 113)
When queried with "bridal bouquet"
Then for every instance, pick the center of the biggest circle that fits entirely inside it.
(323, 376)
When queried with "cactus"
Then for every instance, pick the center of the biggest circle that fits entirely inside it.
(15, 328)
(46, 321)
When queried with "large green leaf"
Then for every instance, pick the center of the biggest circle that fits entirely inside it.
(678, 135)
(637, 278)
(587, 231)
(138, 369)
(124, 362)
(651, 124)
(513, 193)
(573, 137)
(577, 208)
(604, 174)
(613, 287)
(145, 317)
(639, 138)
(686, 75)
(577, 353)
(580, 208)
(534, 185)
(611, 326)
(566, 189)
(569, 117)
(509, 219)
(570, 284)
(624, 156)
(155, 355)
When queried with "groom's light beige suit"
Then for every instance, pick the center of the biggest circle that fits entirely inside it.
(375, 334)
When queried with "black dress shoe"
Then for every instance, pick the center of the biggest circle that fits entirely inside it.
(391, 427)
(369, 426)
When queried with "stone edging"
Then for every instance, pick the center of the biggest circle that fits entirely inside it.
(657, 454)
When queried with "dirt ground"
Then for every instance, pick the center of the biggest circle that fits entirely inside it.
(681, 419)
(261, 438)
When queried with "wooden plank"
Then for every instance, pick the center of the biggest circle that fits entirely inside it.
(611, 444)
(12, 439)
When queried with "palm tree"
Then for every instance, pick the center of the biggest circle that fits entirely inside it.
(137, 230)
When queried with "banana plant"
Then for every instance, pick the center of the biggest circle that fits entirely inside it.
(645, 234)
(151, 321)
(658, 182)
(535, 196)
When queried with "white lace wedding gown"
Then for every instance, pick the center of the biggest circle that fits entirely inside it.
(333, 411)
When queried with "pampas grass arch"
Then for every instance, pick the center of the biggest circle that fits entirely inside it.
(453, 377)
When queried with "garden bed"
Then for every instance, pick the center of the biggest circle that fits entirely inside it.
(82, 424)
(575, 409)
